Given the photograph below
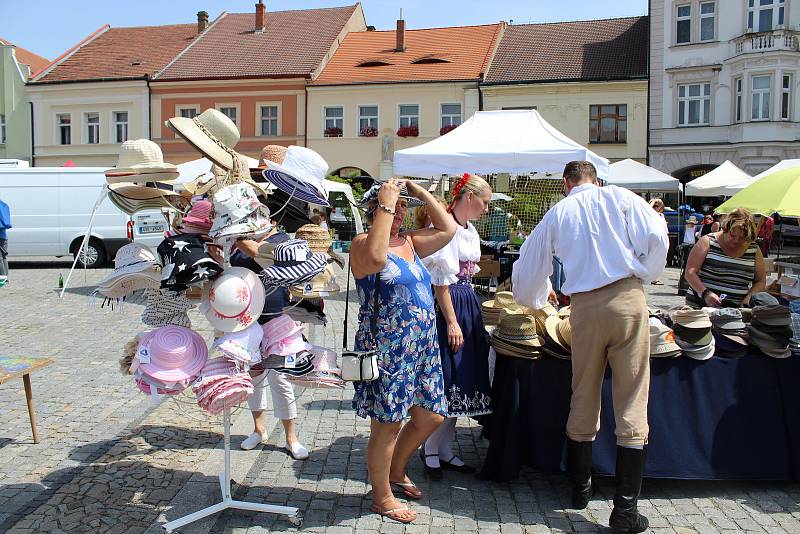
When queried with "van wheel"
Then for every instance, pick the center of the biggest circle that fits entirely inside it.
(95, 254)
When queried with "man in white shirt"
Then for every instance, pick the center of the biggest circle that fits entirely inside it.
(610, 242)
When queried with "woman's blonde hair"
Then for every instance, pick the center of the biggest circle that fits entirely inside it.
(740, 218)
(657, 204)
(468, 183)
(421, 213)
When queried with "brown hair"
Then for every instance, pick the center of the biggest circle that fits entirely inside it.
(579, 171)
(421, 213)
(657, 204)
(740, 218)
(472, 183)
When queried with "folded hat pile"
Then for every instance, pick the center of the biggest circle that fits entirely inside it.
(558, 341)
(693, 333)
(135, 267)
(516, 335)
(492, 309)
(325, 374)
(771, 331)
(662, 340)
(168, 359)
(729, 331)
(221, 385)
(242, 348)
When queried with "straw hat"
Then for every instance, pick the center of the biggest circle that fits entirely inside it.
(662, 340)
(542, 314)
(321, 285)
(559, 330)
(503, 300)
(211, 132)
(135, 267)
(516, 335)
(319, 239)
(297, 171)
(141, 160)
(131, 197)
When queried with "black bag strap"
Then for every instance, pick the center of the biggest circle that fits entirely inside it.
(347, 304)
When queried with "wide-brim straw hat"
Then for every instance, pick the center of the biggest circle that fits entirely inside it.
(518, 329)
(322, 285)
(319, 239)
(541, 315)
(297, 171)
(141, 160)
(559, 330)
(212, 133)
(130, 259)
(491, 309)
(127, 284)
(503, 348)
(131, 198)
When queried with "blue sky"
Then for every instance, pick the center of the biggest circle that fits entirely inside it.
(49, 27)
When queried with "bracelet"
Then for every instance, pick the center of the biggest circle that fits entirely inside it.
(387, 210)
(704, 294)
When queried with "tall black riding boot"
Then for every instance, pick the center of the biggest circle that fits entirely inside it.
(579, 471)
(625, 517)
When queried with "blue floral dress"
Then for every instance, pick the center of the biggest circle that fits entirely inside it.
(407, 344)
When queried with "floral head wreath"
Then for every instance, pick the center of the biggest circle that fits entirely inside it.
(457, 189)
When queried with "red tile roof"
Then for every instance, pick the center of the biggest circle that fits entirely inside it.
(293, 43)
(26, 57)
(457, 53)
(122, 53)
(610, 49)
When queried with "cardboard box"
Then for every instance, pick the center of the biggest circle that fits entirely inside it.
(790, 285)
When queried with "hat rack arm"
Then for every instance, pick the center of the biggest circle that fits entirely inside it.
(85, 242)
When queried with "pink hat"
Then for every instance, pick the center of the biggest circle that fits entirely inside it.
(176, 353)
(199, 216)
(279, 328)
(288, 345)
(235, 300)
(325, 360)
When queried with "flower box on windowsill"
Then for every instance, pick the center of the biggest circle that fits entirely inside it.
(408, 131)
(333, 132)
(368, 131)
(445, 129)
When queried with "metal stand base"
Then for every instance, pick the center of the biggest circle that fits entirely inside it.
(293, 514)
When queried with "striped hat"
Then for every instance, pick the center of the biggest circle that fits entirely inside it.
(293, 263)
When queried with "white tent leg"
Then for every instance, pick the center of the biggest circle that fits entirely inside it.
(85, 239)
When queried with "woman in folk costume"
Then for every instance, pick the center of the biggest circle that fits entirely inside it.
(463, 341)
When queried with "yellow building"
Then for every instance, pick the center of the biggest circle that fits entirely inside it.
(587, 78)
(387, 90)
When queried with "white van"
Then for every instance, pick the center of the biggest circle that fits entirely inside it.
(50, 212)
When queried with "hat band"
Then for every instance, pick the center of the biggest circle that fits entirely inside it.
(135, 263)
(247, 307)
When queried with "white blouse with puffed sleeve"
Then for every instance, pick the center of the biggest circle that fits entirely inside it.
(456, 261)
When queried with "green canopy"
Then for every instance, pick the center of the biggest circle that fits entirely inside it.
(778, 192)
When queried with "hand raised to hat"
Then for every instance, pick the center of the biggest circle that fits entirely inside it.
(389, 193)
(415, 190)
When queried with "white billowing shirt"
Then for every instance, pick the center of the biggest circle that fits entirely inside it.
(445, 264)
(601, 235)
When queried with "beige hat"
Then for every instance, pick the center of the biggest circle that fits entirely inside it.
(662, 340)
(211, 132)
(321, 285)
(518, 329)
(319, 239)
(691, 318)
(559, 330)
(140, 161)
(130, 198)
(542, 314)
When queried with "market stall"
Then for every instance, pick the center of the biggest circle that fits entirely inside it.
(724, 181)
(637, 176)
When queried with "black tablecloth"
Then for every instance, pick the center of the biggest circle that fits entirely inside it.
(716, 419)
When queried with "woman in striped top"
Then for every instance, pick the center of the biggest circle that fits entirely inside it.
(726, 263)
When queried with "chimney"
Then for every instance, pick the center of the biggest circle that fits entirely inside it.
(202, 21)
(401, 34)
(260, 15)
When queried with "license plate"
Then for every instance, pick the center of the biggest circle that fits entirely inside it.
(151, 229)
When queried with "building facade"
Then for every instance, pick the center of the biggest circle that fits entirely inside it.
(388, 90)
(723, 84)
(588, 79)
(16, 67)
(254, 67)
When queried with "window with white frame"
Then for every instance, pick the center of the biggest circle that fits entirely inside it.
(738, 102)
(92, 128)
(367, 118)
(786, 97)
(409, 115)
(765, 15)
(694, 104)
(2, 129)
(683, 24)
(120, 126)
(760, 97)
(451, 115)
(231, 113)
(334, 121)
(64, 124)
(707, 26)
(188, 113)
(268, 116)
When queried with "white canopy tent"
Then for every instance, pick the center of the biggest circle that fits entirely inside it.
(637, 176)
(724, 181)
(508, 141)
(781, 165)
(202, 167)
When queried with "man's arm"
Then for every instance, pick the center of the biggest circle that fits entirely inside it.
(530, 277)
(648, 235)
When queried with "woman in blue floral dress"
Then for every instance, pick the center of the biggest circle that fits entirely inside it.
(411, 383)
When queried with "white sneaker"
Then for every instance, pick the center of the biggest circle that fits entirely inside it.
(297, 450)
(252, 441)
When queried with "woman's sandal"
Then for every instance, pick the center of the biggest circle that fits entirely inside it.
(392, 513)
(406, 488)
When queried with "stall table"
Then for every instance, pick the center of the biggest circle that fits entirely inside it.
(736, 419)
(11, 368)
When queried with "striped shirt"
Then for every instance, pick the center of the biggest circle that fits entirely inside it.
(725, 275)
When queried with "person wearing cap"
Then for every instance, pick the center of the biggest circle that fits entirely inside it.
(282, 393)
(610, 242)
(726, 263)
(5, 224)
(388, 272)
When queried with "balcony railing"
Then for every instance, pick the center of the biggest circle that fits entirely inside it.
(775, 40)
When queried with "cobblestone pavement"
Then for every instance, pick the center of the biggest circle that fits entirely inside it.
(110, 461)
